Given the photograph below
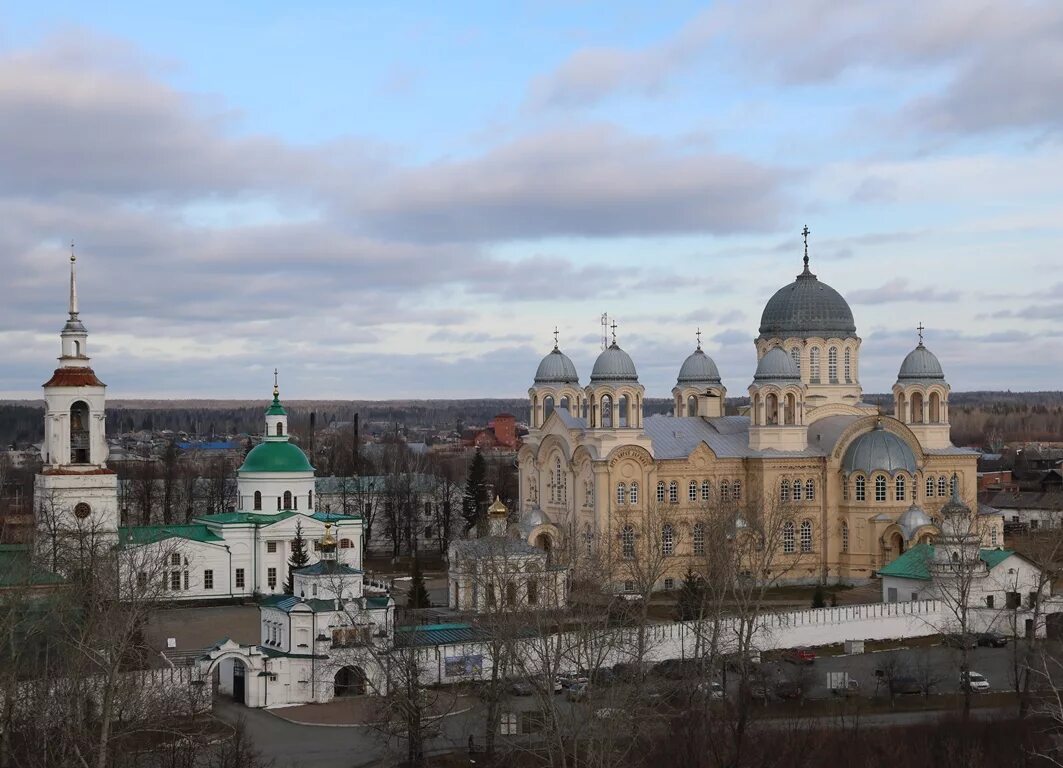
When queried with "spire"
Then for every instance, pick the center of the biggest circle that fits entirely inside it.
(805, 233)
(276, 388)
(73, 284)
(920, 328)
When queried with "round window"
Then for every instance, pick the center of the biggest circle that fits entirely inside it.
(82, 510)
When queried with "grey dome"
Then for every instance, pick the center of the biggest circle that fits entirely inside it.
(807, 307)
(614, 364)
(879, 451)
(913, 519)
(921, 365)
(556, 368)
(698, 368)
(778, 366)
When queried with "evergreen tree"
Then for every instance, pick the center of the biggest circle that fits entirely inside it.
(474, 501)
(818, 599)
(418, 597)
(688, 604)
(300, 558)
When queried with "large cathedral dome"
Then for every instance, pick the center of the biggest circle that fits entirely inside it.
(807, 307)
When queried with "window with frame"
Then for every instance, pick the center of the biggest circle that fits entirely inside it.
(175, 580)
(175, 559)
(810, 489)
(633, 493)
(806, 535)
(660, 492)
(848, 366)
(673, 492)
(880, 488)
(588, 539)
(900, 489)
(692, 491)
(784, 490)
(788, 537)
(861, 488)
(533, 591)
(845, 536)
(795, 355)
(725, 491)
(813, 365)
(698, 538)
(736, 490)
(271, 578)
(667, 540)
(832, 365)
(992, 537)
(706, 490)
(621, 494)
(943, 486)
(258, 500)
(271, 547)
(669, 584)
(142, 580)
(797, 490)
(930, 487)
(954, 483)
(208, 579)
(239, 578)
(627, 541)
(287, 499)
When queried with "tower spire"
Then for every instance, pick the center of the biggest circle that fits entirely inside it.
(805, 233)
(276, 388)
(73, 283)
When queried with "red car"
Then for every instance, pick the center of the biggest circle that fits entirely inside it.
(800, 656)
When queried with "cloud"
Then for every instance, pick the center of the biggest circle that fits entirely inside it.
(900, 290)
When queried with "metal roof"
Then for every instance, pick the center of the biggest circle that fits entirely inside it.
(698, 368)
(807, 307)
(879, 451)
(921, 365)
(556, 368)
(614, 364)
(913, 564)
(776, 365)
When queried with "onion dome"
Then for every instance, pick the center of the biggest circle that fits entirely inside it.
(498, 509)
(921, 365)
(913, 519)
(777, 366)
(807, 307)
(276, 457)
(698, 368)
(614, 365)
(879, 451)
(556, 368)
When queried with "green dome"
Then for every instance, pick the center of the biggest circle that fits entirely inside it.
(276, 457)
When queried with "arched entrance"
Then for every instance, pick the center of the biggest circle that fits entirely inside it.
(350, 681)
(239, 682)
(896, 546)
(543, 542)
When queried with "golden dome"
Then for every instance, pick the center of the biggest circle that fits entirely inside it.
(328, 541)
(498, 508)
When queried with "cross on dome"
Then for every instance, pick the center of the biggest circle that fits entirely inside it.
(698, 334)
(920, 328)
(805, 233)
(613, 326)
(73, 283)
(555, 337)
(276, 388)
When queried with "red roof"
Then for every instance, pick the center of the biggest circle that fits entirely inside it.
(74, 377)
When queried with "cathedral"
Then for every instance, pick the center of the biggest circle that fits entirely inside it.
(858, 486)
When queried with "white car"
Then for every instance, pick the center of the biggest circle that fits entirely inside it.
(974, 680)
(713, 690)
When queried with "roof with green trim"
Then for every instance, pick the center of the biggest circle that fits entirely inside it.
(18, 570)
(913, 563)
(332, 517)
(276, 456)
(245, 518)
(275, 408)
(139, 535)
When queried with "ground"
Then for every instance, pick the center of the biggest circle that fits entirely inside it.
(195, 628)
(364, 710)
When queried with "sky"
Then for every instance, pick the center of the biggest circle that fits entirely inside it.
(403, 200)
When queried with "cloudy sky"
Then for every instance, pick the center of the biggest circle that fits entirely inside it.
(399, 200)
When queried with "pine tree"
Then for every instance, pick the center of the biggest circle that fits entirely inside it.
(818, 599)
(688, 604)
(418, 597)
(299, 558)
(474, 500)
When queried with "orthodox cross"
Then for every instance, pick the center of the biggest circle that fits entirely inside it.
(920, 328)
(613, 326)
(555, 337)
(805, 233)
(698, 334)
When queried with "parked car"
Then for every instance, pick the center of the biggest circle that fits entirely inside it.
(571, 679)
(975, 681)
(734, 661)
(521, 688)
(758, 691)
(788, 689)
(800, 655)
(578, 692)
(712, 690)
(992, 639)
(960, 641)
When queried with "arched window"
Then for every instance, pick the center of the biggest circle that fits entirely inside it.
(917, 408)
(795, 355)
(622, 404)
(797, 489)
(736, 490)
(813, 365)
(692, 491)
(788, 537)
(806, 535)
(533, 591)
(706, 490)
(930, 487)
(810, 489)
(564, 403)
(79, 433)
(943, 486)
(784, 490)
(258, 500)
(511, 594)
(548, 407)
(845, 536)
(848, 366)
(725, 491)
(310, 500)
(935, 408)
(633, 493)
(673, 492)
(791, 409)
(954, 483)
(771, 408)
(832, 365)
(880, 488)
(698, 538)
(280, 428)
(861, 488)
(692, 406)
(287, 499)
(627, 540)
(667, 540)
(346, 543)
(660, 491)
(607, 411)
(621, 494)
(900, 489)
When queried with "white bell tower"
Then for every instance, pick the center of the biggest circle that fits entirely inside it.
(75, 491)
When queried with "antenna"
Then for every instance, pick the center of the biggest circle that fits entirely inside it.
(605, 330)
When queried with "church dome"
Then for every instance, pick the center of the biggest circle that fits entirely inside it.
(698, 368)
(276, 457)
(913, 519)
(879, 451)
(614, 364)
(921, 365)
(777, 366)
(807, 307)
(556, 368)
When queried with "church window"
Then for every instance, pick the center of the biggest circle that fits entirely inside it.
(806, 535)
(943, 487)
(239, 578)
(845, 490)
(706, 490)
(935, 408)
(175, 559)
(810, 490)
(175, 580)
(271, 577)
(564, 403)
(797, 490)
(795, 355)
(280, 428)
(692, 491)
(660, 492)
(588, 540)
(725, 490)
(813, 365)
(669, 584)
(310, 500)
(692, 406)
(607, 411)
(667, 540)
(698, 538)
(511, 594)
(736, 490)
(788, 537)
(621, 493)
(929, 487)
(880, 488)
(490, 595)
(633, 493)
(271, 546)
(622, 408)
(832, 365)
(901, 488)
(79, 433)
(784, 490)
(917, 408)
(845, 536)
(258, 500)
(992, 537)
(347, 543)
(548, 407)
(208, 579)
(533, 591)
(627, 541)
(82, 510)
(278, 503)
(861, 489)
(673, 492)
(848, 366)
(142, 580)
(953, 484)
